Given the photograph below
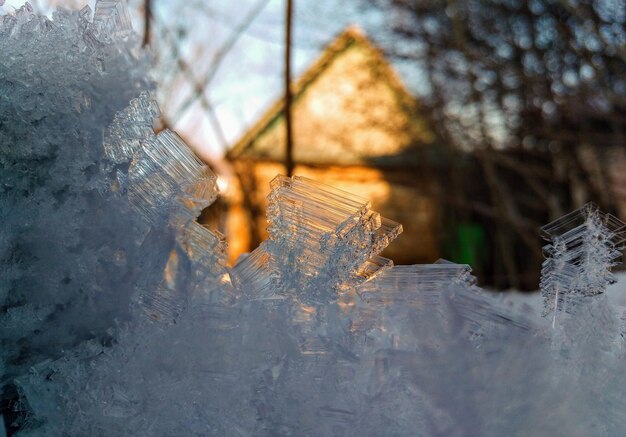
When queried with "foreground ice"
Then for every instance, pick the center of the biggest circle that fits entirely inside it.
(119, 316)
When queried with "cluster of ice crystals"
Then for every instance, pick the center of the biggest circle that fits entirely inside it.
(166, 174)
(68, 245)
(322, 241)
(119, 316)
(130, 127)
(584, 245)
(165, 177)
(87, 244)
(168, 185)
(24, 20)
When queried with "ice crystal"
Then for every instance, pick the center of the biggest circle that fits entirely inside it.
(68, 245)
(322, 242)
(584, 245)
(87, 238)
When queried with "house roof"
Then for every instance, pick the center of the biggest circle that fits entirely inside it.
(247, 148)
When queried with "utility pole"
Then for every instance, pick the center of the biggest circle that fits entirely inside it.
(147, 21)
(289, 164)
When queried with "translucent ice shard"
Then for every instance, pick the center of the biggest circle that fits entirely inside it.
(373, 267)
(23, 22)
(322, 241)
(418, 285)
(389, 298)
(166, 174)
(584, 245)
(253, 276)
(164, 304)
(130, 128)
(194, 271)
(443, 288)
(169, 186)
(111, 16)
(205, 250)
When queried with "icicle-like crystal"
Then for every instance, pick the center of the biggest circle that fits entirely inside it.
(166, 174)
(112, 16)
(418, 285)
(252, 275)
(322, 240)
(584, 245)
(130, 128)
(169, 185)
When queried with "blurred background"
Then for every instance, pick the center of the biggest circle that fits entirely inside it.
(471, 122)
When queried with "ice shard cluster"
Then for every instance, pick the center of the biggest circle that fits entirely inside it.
(334, 245)
(584, 245)
(69, 245)
(120, 317)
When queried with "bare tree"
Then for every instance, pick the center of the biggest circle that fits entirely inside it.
(187, 67)
(533, 92)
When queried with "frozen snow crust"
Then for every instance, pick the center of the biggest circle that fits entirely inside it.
(119, 317)
(69, 245)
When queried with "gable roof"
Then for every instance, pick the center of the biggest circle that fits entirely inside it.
(351, 37)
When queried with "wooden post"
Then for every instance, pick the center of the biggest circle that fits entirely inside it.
(289, 164)
(147, 21)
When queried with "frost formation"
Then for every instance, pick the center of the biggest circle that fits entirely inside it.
(70, 246)
(584, 245)
(119, 316)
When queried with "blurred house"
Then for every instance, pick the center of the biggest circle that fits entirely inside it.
(356, 128)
